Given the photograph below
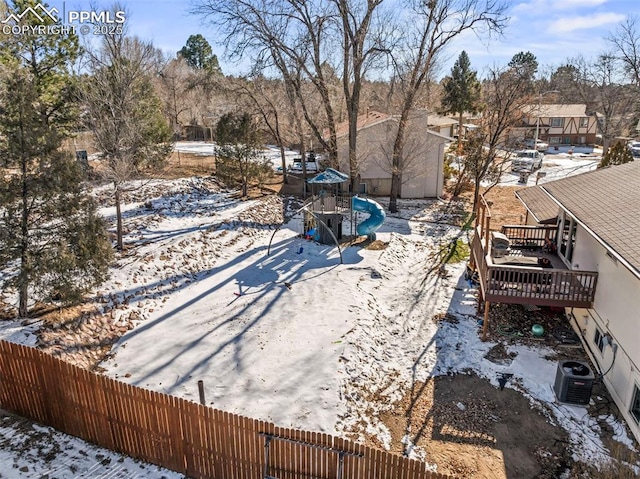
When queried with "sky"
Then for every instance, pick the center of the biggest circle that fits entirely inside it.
(552, 30)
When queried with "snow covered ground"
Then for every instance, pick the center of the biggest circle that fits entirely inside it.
(202, 148)
(29, 450)
(292, 336)
(558, 164)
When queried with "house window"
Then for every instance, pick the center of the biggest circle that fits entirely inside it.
(554, 140)
(557, 122)
(572, 241)
(635, 404)
(598, 340)
(567, 140)
(565, 228)
(584, 122)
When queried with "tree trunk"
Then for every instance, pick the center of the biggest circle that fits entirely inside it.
(23, 281)
(353, 101)
(119, 241)
(460, 134)
(476, 193)
(457, 189)
(283, 158)
(353, 160)
(396, 162)
(396, 156)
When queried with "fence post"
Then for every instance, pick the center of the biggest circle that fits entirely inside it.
(201, 392)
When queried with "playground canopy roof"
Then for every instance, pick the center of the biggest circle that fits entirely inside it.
(329, 177)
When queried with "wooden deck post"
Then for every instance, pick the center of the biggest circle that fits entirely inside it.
(485, 322)
(487, 233)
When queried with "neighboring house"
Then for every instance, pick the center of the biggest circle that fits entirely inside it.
(442, 124)
(558, 124)
(598, 229)
(424, 151)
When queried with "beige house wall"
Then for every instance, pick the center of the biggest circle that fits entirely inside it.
(422, 176)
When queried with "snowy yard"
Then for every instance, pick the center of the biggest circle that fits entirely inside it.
(558, 164)
(295, 337)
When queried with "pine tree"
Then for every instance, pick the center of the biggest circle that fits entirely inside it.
(618, 154)
(524, 64)
(50, 234)
(237, 151)
(199, 55)
(461, 92)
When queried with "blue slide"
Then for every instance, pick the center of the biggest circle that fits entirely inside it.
(376, 215)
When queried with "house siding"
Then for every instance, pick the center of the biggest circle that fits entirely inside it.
(622, 377)
(615, 312)
(577, 128)
(424, 156)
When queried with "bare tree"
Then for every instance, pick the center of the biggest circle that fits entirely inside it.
(173, 89)
(266, 98)
(434, 25)
(124, 113)
(288, 36)
(505, 93)
(625, 41)
(363, 42)
(600, 84)
(187, 92)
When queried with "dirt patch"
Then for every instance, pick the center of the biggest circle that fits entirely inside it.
(181, 165)
(376, 245)
(470, 428)
(505, 208)
(499, 354)
(511, 323)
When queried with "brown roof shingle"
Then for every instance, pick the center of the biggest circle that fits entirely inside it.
(606, 201)
(364, 121)
(539, 204)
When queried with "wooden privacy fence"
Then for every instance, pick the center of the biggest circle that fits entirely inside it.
(186, 437)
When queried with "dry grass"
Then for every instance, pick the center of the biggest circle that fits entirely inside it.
(180, 165)
(506, 209)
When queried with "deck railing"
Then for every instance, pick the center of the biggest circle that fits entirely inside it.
(330, 203)
(529, 236)
(543, 287)
(530, 284)
(480, 258)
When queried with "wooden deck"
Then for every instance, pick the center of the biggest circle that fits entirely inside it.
(519, 279)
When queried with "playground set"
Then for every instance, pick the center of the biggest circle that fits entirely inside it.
(329, 206)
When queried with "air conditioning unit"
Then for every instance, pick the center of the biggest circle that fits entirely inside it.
(574, 382)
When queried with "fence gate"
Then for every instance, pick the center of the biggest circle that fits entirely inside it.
(271, 437)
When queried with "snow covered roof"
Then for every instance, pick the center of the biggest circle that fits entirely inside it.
(437, 120)
(329, 177)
